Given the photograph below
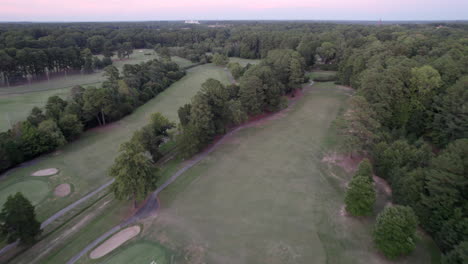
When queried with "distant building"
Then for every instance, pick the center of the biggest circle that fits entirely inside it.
(192, 22)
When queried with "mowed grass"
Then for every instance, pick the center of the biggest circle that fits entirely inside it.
(243, 62)
(34, 190)
(142, 252)
(16, 102)
(319, 74)
(264, 196)
(85, 163)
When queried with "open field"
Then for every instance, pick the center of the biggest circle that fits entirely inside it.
(321, 74)
(265, 196)
(16, 102)
(84, 163)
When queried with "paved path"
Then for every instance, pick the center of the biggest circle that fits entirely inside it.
(61, 213)
(152, 204)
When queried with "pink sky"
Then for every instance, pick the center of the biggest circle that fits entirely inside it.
(105, 10)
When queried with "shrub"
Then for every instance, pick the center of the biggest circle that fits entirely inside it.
(394, 231)
(360, 196)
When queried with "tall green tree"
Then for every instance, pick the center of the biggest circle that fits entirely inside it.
(55, 107)
(70, 126)
(358, 127)
(451, 114)
(36, 116)
(18, 220)
(153, 135)
(135, 174)
(251, 94)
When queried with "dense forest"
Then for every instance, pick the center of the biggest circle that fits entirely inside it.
(409, 114)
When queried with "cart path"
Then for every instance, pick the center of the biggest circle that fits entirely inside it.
(151, 205)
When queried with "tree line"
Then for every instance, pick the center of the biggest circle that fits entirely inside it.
(410, 117)
(216, 107)
(61, 121)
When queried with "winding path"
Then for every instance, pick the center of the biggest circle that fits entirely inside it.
(152, 203)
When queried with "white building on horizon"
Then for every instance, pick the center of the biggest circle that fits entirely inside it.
(192, 22)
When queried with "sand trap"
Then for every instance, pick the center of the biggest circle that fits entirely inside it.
(115, 241)
(46, 172)
(62, 190)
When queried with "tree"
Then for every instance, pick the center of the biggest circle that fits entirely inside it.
(236, 70)
(51, 134)
(18, 219)
(152, 135)
(135, 174)
(394, 231)
(184, 114)
(459, 255)
(33, 141)
(327, 51)
(36, 116)
(360, 196)
(163, 52)
(365, 169)
(88, 61)
(443, 203)
(307, 48)
(71, 126)
(237, 115)
(220, 59)
(296, 78)
(451, 114)
(251, 94)
(359, 126)
(424, 82)
(55, 107)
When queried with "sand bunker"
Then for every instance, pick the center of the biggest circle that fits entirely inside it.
(115, 241)
(46, 172)
(62, 190)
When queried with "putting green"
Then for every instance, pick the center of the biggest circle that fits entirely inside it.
(143, 252)
(34, 190)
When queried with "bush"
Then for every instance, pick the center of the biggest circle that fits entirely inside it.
(360, 196)
(394, 231)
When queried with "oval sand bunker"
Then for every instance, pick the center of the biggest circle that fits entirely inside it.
(115, 241)
(46, 172)
(62, 190)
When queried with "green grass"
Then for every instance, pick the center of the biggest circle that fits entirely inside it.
(34, 190)
(243, 62)
(264, 196)
(142, 252)
(16, 102)
(71, 237)
(110, 216)
(318, 74)
(84, 163)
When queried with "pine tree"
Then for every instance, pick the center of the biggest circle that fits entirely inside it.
(18, 219)
(250, 94)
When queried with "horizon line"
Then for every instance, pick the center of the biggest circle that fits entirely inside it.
(176, 20)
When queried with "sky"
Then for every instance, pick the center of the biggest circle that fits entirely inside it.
(138, 10)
